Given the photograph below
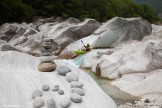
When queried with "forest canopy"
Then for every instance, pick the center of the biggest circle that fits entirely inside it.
(101, 10)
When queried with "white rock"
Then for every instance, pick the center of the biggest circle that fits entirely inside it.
(79, 91)
(37, 93)
(76, 84)
(20, 69)
(51, 103)
(45, 87)
(75, 98)
(38, 102)
(61, 92)
(71, 76)
(63, 70)
(47, 58)
(56, 88)
(65, 102)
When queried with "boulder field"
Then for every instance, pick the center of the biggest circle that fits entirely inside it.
(127, 52)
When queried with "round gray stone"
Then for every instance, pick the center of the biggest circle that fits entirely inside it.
(71, 76)
(56, 88)
(63, 70)
(38, 102)
(75, 98)
(37, 93)
(79, 91)
(45, 87)
(51, 103)
(65, 102)
(61, 92)
(76, 84)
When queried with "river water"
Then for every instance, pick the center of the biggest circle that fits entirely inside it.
(117, 95)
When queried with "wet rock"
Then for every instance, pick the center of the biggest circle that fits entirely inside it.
(56, 88)
(63, 70)
(38, 102)
(37, 93)
(79, 91)
(71, 76)
(47, 67)
(51, 103)
(65, 102)
(45, 87)
(75, 98)
(61, 92)
(76, 84)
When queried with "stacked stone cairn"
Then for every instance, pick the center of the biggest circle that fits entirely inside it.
(47, 58)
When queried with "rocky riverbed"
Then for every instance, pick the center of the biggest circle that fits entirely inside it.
(123, 70)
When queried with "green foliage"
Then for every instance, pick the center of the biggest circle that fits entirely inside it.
(80, 52)
(101, 10)
(15, 10)
(155, 4)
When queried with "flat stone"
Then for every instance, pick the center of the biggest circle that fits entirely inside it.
(56, 88)
(46, 58)
(65, 102)
(46, 50)
(47, 46)
(51, 103)
(38, 102)
(79, 91)
(63, 70)
(37, 93)
(45, 87)
(61, 92)
(75, 98)
(47, 67)
(47, 40)
(76, 84)
(71, 76)
(47, 54)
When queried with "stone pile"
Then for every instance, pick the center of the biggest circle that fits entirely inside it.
(47, 64)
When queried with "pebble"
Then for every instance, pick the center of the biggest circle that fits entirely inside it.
(63, 70)
(56, 88)
(47, 54)
(76, 84)
(51, 103)
(45, 87)
(61, 92)
(65, 102)
(71, 76)
(79, 91)
(38, 102)
(37, 93)
(75, 98)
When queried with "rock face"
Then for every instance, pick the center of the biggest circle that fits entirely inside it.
(28, 38)
(20, 69)
(135, 66)
(111, 34)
